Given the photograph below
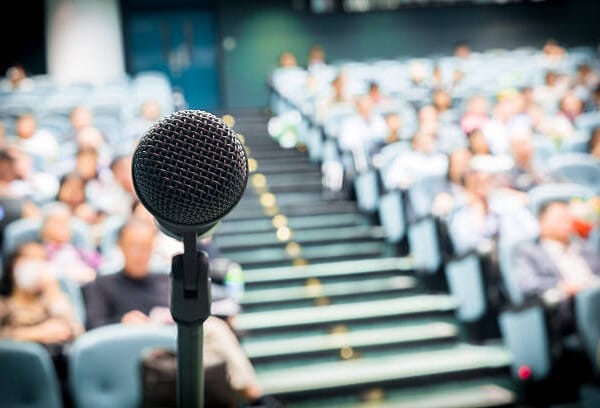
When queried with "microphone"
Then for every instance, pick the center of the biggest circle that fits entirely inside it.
(189, 170)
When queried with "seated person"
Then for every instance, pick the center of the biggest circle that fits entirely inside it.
(593, 147)
(32, 306)
(524, 175)
(39, 144)
(361, 133)
(136, 296)
(67, 260)
(556, 266)
(485, 214)
(458, 164)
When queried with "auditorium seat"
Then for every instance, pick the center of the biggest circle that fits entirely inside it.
(576, 168)
(28, 377)
(104, 364)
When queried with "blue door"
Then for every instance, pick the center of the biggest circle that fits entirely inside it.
(182, 44)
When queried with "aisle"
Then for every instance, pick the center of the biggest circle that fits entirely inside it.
(331, 315)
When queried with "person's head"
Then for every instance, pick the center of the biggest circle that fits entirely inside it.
(458, 163)
(477, 105)
(555, 221)
(571, 105)
(316, 55)
(374, 91)
(25, 270)
(551, 78)
(56, 228)
(552, 49)
(136, 241)
(151, 110)
(339, 83)
(442, 100)
(462, 50)
(428, 115)
(7, 167)
(478, 144)
(90, 138)
(418, 72)
(594, 143)
(393, 122)
(521, 145)
(477, 182)
(121, 170)
(364, 106)
(424, 142)
(81, 117)
(86, 163)
(22, 162)
(71, 190)
(287, 60)
(26, 126)
(16, 74)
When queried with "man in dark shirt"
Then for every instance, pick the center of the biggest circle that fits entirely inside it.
(133, 295)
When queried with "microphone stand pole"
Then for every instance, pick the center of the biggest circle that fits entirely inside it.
(190, 307)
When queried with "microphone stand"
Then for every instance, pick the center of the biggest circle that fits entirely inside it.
(190, 307)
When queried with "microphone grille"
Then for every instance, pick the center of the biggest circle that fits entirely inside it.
(190, 169)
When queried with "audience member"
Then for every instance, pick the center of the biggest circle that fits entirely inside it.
(476, 114)
(524, 175)
(136, 296)
(76, 263)
(113, 193)
(16, 80)
(363, 131)
(556, 266)
(316, 58)
(478, 144)
(38, 144)
(32, 305)
(287, 60)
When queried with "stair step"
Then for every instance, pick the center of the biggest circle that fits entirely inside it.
(332, 314)
(328, 271)
(283, 199)
(328, 207)
(409, 366)
(329, 290)
(468, 393)
(295, 223)
(265, 239)
(263, 257)
(359, 339)
(290, 167)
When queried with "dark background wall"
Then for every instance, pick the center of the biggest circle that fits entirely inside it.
(266, 28)
(261, 30)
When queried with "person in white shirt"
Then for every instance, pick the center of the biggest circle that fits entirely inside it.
(363, 131)
(41, 145)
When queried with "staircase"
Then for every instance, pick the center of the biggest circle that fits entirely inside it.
(332, 317)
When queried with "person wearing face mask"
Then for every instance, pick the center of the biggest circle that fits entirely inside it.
(32, 305)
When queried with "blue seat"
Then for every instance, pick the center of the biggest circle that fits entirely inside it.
(524, 333)
(579, 168)
(465, 282)
(73, 292)
(366, 187)
(28, 377)
(28, 229)
(104, 364)
(544, 193)
(392, 216)
(587, 305)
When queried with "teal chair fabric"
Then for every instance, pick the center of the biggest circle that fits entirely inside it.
(367, 190)
(424, 245)
(28, 229)
(579, 168)
(465, 282)
(73, 292)
(587, 305)
(524, 333)
(104, 364)
(556, 191)
(391, 214)
(28, 378)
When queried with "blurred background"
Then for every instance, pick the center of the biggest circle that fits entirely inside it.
(420, 226)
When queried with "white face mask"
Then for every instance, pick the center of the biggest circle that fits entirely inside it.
(28, 275)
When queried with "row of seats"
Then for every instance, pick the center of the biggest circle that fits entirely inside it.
(406, 213)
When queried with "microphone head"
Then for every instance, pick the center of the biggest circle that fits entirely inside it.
(189, 170)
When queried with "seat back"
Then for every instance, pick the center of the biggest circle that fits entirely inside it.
(579, 168)
(391, 214)
(524, 333)
(465, 282)
(104, 364)
(587, 304)
(28, 377)
(540, 195)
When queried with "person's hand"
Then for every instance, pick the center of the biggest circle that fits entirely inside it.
(570, 288)
(55, 331)
(135, 317)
